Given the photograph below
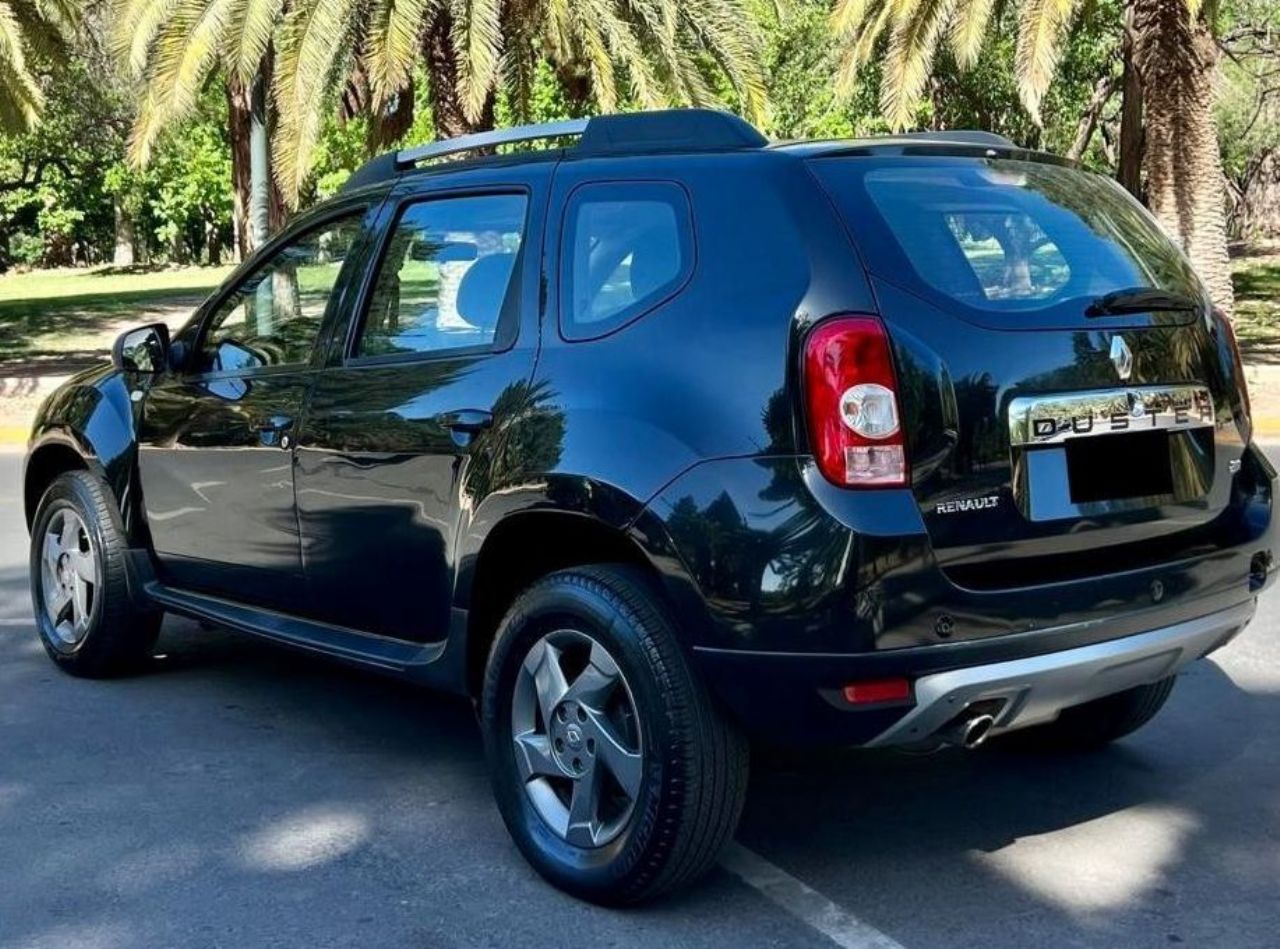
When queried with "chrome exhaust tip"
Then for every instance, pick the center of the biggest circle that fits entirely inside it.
(968, 731)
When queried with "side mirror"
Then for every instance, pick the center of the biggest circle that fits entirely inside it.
(145, 349)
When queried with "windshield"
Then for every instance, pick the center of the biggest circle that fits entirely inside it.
(1004, 237)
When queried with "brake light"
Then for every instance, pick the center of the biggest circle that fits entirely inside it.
(851, 393)
(877, 690)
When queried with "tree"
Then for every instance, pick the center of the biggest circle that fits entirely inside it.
(26, 27)
(1173, 54)
(656, 52)
(172, 47)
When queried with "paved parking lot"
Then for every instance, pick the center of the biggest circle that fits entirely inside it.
(242, 796)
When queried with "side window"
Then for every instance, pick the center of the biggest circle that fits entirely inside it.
(273, 318)
(626, 247)
(445, 275)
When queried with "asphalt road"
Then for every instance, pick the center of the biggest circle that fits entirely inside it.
(243, 796)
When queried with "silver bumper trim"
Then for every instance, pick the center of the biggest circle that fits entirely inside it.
(1036, 689)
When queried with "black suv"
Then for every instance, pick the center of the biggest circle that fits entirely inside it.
(663, 436)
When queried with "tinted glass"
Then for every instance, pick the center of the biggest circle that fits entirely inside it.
(628, 247)
(445, 276)
(273, 318)
(1004, 236)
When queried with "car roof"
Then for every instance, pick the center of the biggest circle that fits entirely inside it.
(663, 132)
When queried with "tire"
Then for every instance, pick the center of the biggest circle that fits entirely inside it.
(690, 780)
(1097, 723)
(102, 631)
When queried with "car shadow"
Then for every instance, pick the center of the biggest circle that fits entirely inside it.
(907, 842)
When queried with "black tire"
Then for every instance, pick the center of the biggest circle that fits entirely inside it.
(694, 775)
(1097, 723)
(118, 634)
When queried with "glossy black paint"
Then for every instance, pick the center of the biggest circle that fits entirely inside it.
(368, 527)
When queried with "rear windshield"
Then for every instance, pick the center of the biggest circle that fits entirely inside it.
(1001, 236)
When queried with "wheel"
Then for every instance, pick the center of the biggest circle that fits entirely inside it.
(1096, 723)
(86, 619)
(614, 772)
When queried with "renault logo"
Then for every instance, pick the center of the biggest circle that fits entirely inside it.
(1121, 357)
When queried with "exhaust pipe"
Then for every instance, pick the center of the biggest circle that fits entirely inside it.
(968, 731)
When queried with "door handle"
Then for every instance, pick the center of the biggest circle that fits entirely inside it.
(466, 421)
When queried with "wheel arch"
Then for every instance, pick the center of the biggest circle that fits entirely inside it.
(533, 541)
(57, 452)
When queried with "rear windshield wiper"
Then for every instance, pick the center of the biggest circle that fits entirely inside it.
(1139, 300)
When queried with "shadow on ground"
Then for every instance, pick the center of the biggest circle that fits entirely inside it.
(83, 324)
(237, 790)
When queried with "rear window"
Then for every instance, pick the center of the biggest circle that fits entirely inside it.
(1003, 237)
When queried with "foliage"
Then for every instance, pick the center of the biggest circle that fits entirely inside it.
(30, 30)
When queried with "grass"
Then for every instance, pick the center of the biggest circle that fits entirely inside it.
(1256, 277)
(56, 321)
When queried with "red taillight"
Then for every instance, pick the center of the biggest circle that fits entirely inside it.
(877, 690)
(855, 423)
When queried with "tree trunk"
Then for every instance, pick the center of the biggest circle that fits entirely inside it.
(123, 255)
(1257, 213)
(447, 114)
(257, 206)
(238, 123)
(1130, 162)
(1186, 189)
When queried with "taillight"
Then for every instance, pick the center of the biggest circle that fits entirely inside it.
(855, 423)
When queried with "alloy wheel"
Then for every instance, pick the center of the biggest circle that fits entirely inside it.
(69, 576)
(577, 741)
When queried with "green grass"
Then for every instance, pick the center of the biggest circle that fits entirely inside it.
(55, 321)
(1257, 316)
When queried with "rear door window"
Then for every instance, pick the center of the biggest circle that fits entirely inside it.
(627, 247)
(1017, 241)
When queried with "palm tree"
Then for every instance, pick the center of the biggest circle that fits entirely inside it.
(27, 26)
(172, 47)
(658, 51)
(1173, 53)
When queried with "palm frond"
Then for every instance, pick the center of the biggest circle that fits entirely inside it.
(250, 27)
(968, 30)
(20, 96)
(912, 46)
(394, 44)
(477, 42)
(183, 53)
(1042, 28)
(313, 40)
(859, 43)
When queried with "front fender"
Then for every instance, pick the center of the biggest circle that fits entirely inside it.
(92, 415)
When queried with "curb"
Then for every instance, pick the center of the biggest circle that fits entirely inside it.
(14, 436)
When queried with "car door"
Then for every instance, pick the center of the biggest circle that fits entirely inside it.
(216, 438)
(406, 426)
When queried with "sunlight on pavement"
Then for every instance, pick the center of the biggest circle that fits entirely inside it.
(86, 936)
(1063, 868)
(307, 839)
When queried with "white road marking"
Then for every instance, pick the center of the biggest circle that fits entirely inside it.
(16, 622)
(803, 902)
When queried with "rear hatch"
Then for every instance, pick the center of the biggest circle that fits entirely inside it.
(1072, 404)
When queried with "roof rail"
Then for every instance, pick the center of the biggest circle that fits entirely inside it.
(659, 131)
(570, 128)
(961, 136)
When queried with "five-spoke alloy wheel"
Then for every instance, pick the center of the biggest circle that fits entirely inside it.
(69, 576)
(615, 772)
(577, 744)
(88, 621)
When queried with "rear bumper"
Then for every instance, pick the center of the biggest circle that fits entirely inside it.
(796, 699)
(1034, 690)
